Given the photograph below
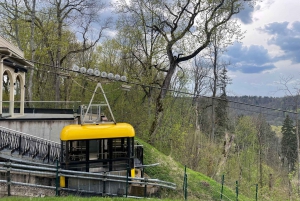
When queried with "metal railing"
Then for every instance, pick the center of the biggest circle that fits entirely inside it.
(104, 184)
(25, 145)
(44, 104)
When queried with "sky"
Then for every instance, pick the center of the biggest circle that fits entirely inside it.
(270, 49)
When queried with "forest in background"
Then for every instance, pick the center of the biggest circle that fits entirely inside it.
(171, 53)
(275, 115)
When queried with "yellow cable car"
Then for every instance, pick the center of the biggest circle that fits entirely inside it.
(98, 147)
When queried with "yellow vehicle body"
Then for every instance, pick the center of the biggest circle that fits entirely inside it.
(93, 131)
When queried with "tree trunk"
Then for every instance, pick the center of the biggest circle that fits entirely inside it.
(227, 145)
(213, 123)
(159, 100)
(58, 53)
(32, 49)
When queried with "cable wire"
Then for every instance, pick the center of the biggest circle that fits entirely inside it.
(153, 87)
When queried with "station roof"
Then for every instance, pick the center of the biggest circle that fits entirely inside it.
(14, 53)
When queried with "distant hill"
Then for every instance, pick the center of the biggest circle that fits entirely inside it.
(274, 117)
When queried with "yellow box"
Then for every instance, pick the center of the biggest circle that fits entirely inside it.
(62, 181)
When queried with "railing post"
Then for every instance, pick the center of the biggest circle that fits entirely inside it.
(127, 181)
(57, 187)
(20, 143)
(49, 147)
(104, 184)
(8, 178)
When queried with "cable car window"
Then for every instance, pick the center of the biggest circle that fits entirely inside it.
(77, 150)
(94, 149)
(119, 147)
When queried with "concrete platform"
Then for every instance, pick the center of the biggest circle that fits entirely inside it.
(43, 125)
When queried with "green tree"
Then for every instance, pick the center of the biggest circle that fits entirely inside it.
(289, 143)
(221, 113)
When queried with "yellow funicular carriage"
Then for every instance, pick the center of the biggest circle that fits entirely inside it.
(99, 145)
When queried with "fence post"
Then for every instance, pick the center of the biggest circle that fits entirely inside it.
(222, 187)
(256, 190)
(185, 184)
(8, 178)
(237, 190)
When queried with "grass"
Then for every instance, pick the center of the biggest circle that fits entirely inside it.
(72, 198)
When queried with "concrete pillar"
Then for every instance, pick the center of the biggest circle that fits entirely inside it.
(12, 96)
(1, 83)
(22, 98)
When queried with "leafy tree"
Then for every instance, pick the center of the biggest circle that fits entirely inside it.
(289, 143)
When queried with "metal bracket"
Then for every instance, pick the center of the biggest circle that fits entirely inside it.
(90, 104)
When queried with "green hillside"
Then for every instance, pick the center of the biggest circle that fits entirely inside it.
(199, 186)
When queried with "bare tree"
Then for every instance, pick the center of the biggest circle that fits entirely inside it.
(143, 46)
(10, 14)
(32, 49)
(187, 28)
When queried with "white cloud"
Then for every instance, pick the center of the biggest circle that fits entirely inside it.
(265, 83)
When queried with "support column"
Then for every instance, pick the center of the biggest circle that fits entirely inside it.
(22, 98)
(1, 84)
(12, 96)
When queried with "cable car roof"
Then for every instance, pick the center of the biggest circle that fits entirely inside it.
(94, 131)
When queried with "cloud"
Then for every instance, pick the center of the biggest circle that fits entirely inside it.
(276, 28)
(251, 69)
(246, 14)
(286, 37)
(249, 60)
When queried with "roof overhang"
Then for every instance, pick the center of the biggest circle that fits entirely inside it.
(14, 60)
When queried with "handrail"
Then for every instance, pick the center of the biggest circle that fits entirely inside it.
(29, 136)
(42, 101)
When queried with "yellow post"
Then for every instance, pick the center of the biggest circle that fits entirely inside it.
(62, 181)
(133, 172)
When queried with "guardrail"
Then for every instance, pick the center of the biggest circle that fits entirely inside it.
(103, 184)
(45, 104)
